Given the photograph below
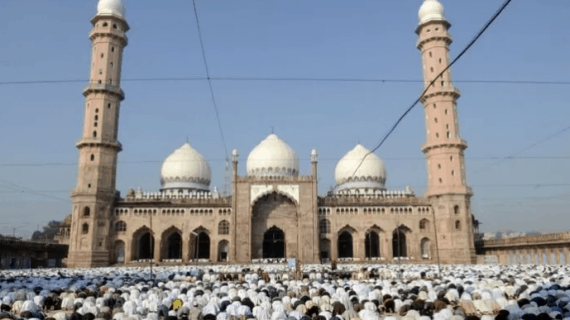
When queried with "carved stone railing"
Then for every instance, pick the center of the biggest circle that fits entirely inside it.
(372, 200)
(528, 241)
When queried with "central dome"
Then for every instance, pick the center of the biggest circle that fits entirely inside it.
(185, 168)
(272, 157)
(111, 7)
(353, 173)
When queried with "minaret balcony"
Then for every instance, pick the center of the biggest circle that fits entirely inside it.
(109, 32)
(105, 88)
(446, 143)
(445, 90)
(95, 142)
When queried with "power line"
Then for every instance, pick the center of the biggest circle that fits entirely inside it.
(20, 189)
(471, 43)
(209, 80)
(513, 156)
(49, 164)
(286, 79)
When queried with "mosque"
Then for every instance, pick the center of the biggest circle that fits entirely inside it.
(274, 212)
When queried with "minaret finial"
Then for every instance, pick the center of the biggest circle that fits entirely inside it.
(272, 131)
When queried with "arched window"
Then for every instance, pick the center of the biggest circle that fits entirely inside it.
(85, 228)
(120, 226)
(325, 226)
(224, 227)
(94, 134)
(424, 224)
(86, 212)
(456, 209)
(458, 225)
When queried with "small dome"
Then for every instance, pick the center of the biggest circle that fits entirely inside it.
(185, 168)
(272, 157)
(431, 10)
(370, 175)
(111, 7)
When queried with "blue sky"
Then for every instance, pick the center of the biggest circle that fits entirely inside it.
(371, 39)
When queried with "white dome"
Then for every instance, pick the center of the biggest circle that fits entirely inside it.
(272, 157)
(431, 10)
(370, 175)
(111, 7)
(185, 168)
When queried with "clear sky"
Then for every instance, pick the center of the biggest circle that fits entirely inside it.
(371, 39)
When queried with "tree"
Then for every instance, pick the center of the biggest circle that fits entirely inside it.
(50, 230)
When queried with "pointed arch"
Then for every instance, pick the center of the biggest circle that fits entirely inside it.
(400, 241)
(171, 246)
(424, 224)
(119, 252)
(223, 250)
(425, 248)
(345, 244)
(200, 243)
(372, 243)
(223, 227)
(273, 192)
(142, 244)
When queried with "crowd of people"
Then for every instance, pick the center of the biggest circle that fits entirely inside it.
(275, 292)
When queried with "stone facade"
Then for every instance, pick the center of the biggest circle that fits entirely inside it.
(539, 249)
(272, 213)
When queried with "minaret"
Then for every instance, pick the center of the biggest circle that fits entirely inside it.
(447, 186)
(94, 195)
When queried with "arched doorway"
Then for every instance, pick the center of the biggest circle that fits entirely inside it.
(372, 244)
(223, 250)
(399, 246)
(174, 243)
(120, 252)
(345, 245)
(146, 246)
(325, 249)
(268, 211)
(274, 243)
(426, 248)
(202, 246)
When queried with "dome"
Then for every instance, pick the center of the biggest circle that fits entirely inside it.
(370, 175)
(185, 168)
(431, 10)
(273, 157)
(111, 7)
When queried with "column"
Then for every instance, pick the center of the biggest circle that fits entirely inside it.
(157, 249)
(185, 247)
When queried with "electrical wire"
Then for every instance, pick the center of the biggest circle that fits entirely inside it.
(209, 80)
(513, 156)
(471, 43)
(50, 164)
(287, 79)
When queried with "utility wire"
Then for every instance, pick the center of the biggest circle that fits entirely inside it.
(288, 79)
(513, 156)
(471, 43)
(50, 164)
(209, 79)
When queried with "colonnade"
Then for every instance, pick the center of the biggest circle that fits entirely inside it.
(554, 254)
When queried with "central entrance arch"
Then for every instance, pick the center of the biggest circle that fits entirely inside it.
(274, 243)
(274, 215)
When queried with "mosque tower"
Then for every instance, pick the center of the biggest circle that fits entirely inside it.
(94, 195)
(447, 186)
